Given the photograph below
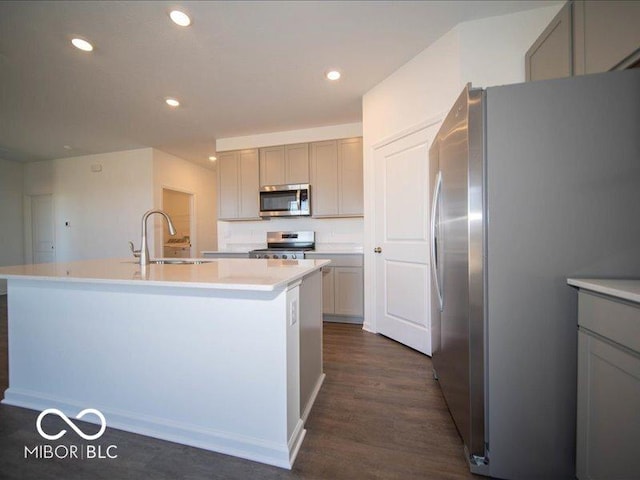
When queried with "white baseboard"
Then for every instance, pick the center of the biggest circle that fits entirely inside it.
(295, 442)
(271, 453)
(342, 319)
(312, 398)
(367, 327)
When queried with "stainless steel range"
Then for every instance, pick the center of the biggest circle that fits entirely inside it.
(287, 245)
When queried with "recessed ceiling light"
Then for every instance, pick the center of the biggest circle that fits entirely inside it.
(68, 147)
(212, 158)
(333, 75)
(172, 102)
(82, 44)
(180, 18)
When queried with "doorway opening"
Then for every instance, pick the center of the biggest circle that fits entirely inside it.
(179, 206)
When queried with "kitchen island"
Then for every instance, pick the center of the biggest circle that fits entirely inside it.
(224, 355)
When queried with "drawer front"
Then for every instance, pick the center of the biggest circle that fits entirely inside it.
(354, 260)
(615, 320)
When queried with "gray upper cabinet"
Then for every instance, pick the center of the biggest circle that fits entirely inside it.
(272, 166)
(238, 185)
(333, 168)
(606, 35)
(228, 185)
(586, 37)
(296, 163)
(288, 164)
(324, 178)
(550, 55)
(350, 179)
(336, 178)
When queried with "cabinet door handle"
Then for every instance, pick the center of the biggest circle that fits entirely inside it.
(377, 250)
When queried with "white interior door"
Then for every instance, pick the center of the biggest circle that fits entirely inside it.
(42, 229)
(402, 239)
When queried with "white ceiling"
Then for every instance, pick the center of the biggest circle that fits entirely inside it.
(242, 68)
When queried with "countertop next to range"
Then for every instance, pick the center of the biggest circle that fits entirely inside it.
(624, 289)
(220, 274)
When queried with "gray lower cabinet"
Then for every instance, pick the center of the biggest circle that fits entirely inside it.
(342, 287)
(608, 417)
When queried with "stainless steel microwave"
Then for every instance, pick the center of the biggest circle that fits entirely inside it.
(285, 200)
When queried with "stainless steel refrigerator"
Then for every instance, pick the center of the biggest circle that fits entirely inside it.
(530, 184)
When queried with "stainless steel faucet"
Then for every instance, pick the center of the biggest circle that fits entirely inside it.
(143, 253)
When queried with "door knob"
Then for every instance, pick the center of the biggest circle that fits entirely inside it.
(377, 250)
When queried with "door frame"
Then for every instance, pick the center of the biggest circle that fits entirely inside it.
(370, 218)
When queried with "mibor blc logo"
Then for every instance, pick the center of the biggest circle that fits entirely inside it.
(71, 451)
(97, 413)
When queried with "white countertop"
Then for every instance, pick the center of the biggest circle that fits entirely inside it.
(228, 274)
(326, 248)
(224, 252)
(338, 249)
(624, 289)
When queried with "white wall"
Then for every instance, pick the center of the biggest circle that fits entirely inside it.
(38, 178)
(247, 235)
(424, 87)
(492, 49)
(11, 222)
(178, 174)
(288, 137)
(485, 52)
(103, 208)
(243, 236)
(178, 206)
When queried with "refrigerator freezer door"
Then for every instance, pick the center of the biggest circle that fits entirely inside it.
(563, 173)
(459, 358)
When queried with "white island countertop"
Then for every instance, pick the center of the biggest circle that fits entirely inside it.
(224, 274)
(624, 289)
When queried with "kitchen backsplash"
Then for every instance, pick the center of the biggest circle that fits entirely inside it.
(249, 235)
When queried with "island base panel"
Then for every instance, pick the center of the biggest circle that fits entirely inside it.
(212, 372)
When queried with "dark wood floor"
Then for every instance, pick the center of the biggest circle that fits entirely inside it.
(379, 415)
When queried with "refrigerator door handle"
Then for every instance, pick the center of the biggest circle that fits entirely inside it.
(435, 208)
